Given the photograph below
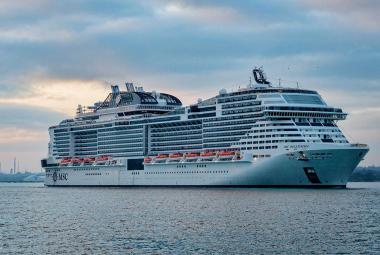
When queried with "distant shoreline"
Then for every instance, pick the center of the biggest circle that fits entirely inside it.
(365, 174)
(22, 177)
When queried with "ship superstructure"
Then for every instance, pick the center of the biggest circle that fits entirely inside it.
(257, 136)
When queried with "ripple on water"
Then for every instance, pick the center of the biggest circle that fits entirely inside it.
(35, 220)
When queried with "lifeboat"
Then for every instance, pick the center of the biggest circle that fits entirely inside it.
(192, 155)
(147, 160)
(207, 156)
(76, 161)
(161, 158)
(175, 157)
(226, 154)
(88, 161)
(65, 161)
(101, 160)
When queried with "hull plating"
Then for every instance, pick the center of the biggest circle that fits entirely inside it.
(332, 167)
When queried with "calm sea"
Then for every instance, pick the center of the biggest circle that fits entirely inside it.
(39, 220)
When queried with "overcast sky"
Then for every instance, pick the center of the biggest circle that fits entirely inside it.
(55, 55)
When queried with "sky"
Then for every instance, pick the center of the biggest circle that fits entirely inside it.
(55, 55)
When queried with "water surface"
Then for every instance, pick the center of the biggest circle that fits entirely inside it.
(37, 220)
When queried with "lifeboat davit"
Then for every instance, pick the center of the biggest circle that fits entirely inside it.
(147, 160)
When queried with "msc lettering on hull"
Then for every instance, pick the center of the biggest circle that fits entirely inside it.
(59, 176)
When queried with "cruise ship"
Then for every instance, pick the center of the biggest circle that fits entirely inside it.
(258, 136)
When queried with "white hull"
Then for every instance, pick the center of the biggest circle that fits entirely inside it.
(333, 168)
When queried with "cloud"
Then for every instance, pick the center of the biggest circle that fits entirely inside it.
(9, 6)
(57, 54)
(361, 126)
(351, 101)
(58, 95)
(30, 33)
(29, 117)
(28, 145)
(24, 134)
(115, 25)
(353, 14)
(202, 14)
(20, 135)
(27, 155)
(45, 21)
